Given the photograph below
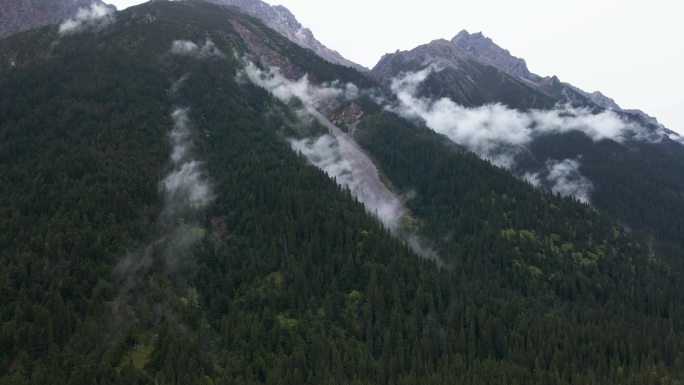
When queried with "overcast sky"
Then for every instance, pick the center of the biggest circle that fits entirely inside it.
(630, 50)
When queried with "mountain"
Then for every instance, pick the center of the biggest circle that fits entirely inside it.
(21, 15)
(482, 48)
(184, 200)
(476, 47)
(283, 21)
(461, 77)
(550, 133)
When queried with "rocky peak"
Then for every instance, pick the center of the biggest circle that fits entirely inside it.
(554, 80)
(603, 101)
(280, 19)
(21, 15)
(468, 47)
(465, 37)
(439, 52)
(485, 50)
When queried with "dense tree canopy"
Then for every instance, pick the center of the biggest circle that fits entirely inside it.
(292, 281)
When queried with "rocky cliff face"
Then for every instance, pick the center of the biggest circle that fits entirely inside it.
(623, 162)
(459, 54)
(467, 74)
(21, 15)
(470, 54)
(482, 48)
(283, 21)
(485, 50)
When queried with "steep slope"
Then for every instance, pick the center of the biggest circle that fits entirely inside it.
(479, 48)
(483, 49)
(157, 227)
(21, 15)
(460, 77)
(560, 138)
(283, 21)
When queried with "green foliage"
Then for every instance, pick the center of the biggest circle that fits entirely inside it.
(639, 183)
(506, 240)
(293, 282)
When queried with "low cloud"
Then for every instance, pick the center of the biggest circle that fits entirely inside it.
(186, 186)
(562, 177)
(344, 162)
(188, 48)
(497, 132)
(285, 89)
(324, 153)
(532, 178)
(180, 135)
(185, 190)
(336, 153)
(328, 154)
(565, 178)
(97, 16)
(675, 136)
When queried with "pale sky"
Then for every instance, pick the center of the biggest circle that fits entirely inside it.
(630, 50)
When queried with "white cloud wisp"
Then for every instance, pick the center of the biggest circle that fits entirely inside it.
(185, 186)
(188, 48)
(499, 134)
(285, 89)
(337, 153)
(96, 17)
(186, 191)
(566, 179)
(495, 131)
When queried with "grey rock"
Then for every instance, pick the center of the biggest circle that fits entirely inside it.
(284, 22)
(603, 101)
(21, 15)
(467, 74)
(467, 47)
(482, 48)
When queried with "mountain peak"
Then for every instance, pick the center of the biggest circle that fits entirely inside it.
(465, 35)
(603, 101)
(482, 48)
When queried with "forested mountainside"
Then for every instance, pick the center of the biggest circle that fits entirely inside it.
(552, 134)
(156, 227)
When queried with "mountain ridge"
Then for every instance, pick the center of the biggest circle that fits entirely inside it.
(482, 48)
(481, 95)
(282, 20)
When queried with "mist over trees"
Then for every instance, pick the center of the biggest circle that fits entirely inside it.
(290, 280)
